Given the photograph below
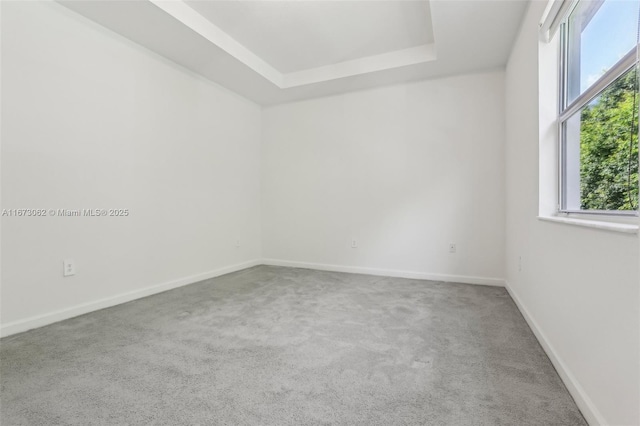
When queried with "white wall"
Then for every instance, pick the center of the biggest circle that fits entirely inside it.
(404, 170)
(578, 286)
(90, 120)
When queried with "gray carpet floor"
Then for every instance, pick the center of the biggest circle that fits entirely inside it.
(285, 346)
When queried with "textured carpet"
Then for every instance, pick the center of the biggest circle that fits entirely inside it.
(283, 346)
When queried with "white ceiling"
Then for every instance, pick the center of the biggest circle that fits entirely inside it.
(298, 35)
(279, 51)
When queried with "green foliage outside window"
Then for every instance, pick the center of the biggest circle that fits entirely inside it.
(609, 148)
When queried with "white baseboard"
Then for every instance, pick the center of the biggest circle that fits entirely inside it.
(499, 282)
(584, 403)
(588, 409)
(63, 314)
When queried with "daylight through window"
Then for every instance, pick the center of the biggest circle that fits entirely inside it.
(599, 108)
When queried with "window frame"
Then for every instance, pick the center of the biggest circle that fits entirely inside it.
(568, 110)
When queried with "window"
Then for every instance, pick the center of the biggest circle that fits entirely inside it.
(598, 119)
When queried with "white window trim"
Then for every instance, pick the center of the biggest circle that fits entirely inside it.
(549, 184)
(566, 111)
(625, 228)
(553, 17)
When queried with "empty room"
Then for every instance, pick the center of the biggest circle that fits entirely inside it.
(303, 212)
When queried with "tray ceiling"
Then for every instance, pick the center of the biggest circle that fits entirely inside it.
(280, 51)
(298, 35)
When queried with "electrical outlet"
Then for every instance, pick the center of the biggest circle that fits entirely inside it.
(69, 267)
(237, 243)
(452, 247)
(354, 244)
(519, 263)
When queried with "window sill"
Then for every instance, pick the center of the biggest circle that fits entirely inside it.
(625, 228)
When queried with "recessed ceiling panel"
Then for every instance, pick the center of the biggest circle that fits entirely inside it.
(298, 35)
(470, 36)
